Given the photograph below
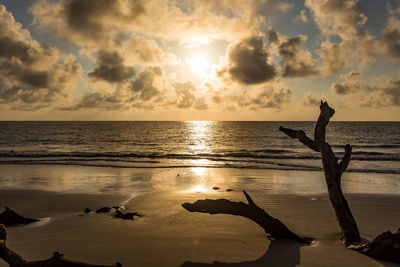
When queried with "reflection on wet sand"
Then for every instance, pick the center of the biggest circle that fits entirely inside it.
(78, 179)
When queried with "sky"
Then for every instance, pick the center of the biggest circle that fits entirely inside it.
(199, 59)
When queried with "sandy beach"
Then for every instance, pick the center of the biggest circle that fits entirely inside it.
(166, 114)
(168, 235)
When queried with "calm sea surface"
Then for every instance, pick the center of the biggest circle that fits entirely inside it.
(258, 145)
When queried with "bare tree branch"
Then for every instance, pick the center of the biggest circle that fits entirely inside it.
(272, 226)
(346, 159)
(333, 172)
(301, 136)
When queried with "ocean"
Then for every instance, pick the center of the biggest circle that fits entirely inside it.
(206, 144)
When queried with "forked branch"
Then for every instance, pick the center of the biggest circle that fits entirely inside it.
(333, 171)
(273, 227)
(301, 136)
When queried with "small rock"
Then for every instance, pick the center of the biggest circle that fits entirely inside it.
(103, 209)
(87, 210)
(216, 188)
(229, 190)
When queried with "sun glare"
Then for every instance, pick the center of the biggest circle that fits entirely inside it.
(199, 66)
(199, 171)
(198, 189)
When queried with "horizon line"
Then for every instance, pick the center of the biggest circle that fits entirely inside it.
(191, 121)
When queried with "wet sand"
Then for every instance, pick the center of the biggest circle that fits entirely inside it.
(168, 235)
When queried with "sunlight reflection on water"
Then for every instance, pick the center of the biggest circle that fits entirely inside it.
(227, 155)
(198, 189)
(136, 181)
(200, 136)
(199, 171)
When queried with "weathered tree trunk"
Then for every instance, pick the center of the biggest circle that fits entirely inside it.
(333, 172)
(273, 227)
(15, 260)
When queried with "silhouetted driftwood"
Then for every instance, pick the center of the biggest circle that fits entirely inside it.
(385, 246)
(9, 217)
(122, 214)
(103, 210)
(273, 227)
(333, 171)
(15, 260)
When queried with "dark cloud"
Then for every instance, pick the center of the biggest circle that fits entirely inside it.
(273, 36)
(26, 75)
(99, 101)
(32, 76)
(379, 92)
(92, 20)
(296, 62)
(248, 62)
(310, 101)
(385, 95)
(351, 84)
(341, 89)
(185, 97)
(110, 67)
(145, 92)
(289, 48)
(97, 23)
(269, 97)
(13, 48)
(86, 16)
(143, 87)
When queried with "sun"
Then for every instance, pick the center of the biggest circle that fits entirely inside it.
(199, 65)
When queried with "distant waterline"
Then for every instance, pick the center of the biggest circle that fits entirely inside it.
(376, 145)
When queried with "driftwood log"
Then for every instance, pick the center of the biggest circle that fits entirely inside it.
(9, 217)
(385, 246)
(333, 172)
(15, 260)
(273, 227)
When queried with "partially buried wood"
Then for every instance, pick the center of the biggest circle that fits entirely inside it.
(121, 214)
(385, 246)
(15, 260)
(273, 227)
(103, 210)
(9, 217)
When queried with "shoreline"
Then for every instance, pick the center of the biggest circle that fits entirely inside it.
(168, 235)
(92, 179)
(208, 166)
